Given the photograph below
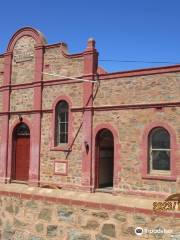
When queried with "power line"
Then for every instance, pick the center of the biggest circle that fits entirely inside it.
(135, 61)
(72, 78)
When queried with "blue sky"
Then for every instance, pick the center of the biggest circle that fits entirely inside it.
(137, 30)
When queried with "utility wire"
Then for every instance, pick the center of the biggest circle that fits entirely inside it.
(134, 61)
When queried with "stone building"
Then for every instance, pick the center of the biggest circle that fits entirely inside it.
(66, 122)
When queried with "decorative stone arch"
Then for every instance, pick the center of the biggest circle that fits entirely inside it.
(144, 151)
(26, 31)
(10, 150)
(117, 167)
(66, 147)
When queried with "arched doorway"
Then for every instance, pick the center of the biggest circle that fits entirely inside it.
(21, 153)
(104, 159)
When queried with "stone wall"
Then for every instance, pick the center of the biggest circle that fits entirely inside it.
(130, 126)
(21, 99)
(23, 71)
(31, 219)
(155, 88)
(130, 123)
(73, 91)
(55, 62)
(49, 156)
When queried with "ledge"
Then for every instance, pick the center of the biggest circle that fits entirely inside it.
(131, 204)
(160, 177)
(63, 149)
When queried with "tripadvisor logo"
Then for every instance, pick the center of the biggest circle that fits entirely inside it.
(171, 203)
(138, 231)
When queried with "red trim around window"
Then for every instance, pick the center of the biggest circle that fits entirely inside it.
(66, 146)
(144, 152)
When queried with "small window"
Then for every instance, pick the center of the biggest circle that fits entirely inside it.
(159, 150)
(62, 110)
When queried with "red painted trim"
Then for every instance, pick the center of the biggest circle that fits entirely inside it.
(22, 85)
(128, 106)
(39, 83)
(90, 70)
(101, 70)
(76, 55)
(117, 166)
(63, 147)
(102, 108)
(60, 81)
(62, 174)
(27, 112)
(4, 147)
(34, 174)
(36, 141)
(89, 204)
(5, 119)
(140, 72)
(10, 144)
(144, 152)
(38, 77)
(60, 44)
(27, 31)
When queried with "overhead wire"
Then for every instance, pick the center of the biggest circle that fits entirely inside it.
(135, 61)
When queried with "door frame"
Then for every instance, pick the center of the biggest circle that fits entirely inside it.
(117, 159)
(14, 147)
(97, 157)
(10, 147)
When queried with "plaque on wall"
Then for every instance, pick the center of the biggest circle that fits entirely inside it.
(24, 56)
(24, 49)
(60, 168)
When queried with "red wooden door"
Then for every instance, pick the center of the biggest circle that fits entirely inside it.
(21, 163)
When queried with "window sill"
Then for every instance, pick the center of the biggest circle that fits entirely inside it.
(160, 177)
(64, 148)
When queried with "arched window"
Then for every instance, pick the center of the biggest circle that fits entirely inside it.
(62, 112)
(159, 150)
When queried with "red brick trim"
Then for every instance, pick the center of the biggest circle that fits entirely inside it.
(65, 147)
(60, 44)
(102, 108)
(144, 152)
(90, 70)
(27, 31)
(34, 173)
(140, 72)
(76, 55)
(5, 118)
(128, 106)
(117, 167)
(39, 83)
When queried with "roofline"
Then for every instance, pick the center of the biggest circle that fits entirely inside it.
(141, 72)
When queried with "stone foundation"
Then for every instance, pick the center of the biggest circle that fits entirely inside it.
(35, 217)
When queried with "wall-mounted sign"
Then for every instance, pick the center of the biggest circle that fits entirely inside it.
(60, 167)
(24, 56)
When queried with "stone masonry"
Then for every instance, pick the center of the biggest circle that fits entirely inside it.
(127, 102)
